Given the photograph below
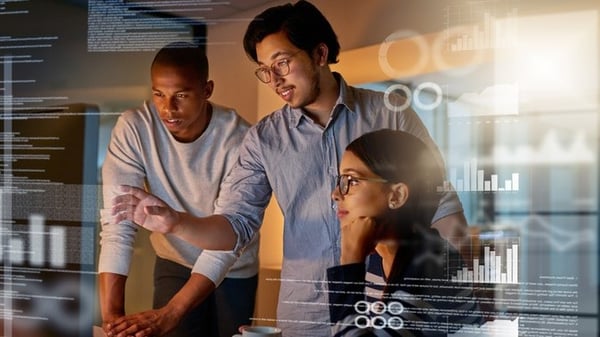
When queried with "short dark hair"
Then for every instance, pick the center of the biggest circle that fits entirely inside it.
(397, 156)
(303, 24)
(183, 55)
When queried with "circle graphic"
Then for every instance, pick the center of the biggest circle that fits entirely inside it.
(378, 322)
(77, 303)
(395, 308)
(395, 323)
(438, 95)
(378, 307)
(362, 307)
(418, 40)
(389, 90)
(362, 321)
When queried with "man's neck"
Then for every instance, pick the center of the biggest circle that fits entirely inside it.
(320, 110)
(202, 124)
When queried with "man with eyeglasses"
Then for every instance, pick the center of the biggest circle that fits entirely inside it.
(293, 153)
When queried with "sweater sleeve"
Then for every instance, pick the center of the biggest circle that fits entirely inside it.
(215, 264)
(121, 166)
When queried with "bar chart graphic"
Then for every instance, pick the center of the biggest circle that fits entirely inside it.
(492, 262)
(474, 179)
(483, 27)
(36, 244)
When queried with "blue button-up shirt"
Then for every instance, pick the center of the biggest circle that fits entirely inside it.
(287, 153)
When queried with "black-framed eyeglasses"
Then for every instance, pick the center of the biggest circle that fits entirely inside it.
(280, 67)
(345, 180)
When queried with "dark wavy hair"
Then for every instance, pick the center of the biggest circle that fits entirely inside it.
(183, 55)
(397, 157)
(303, 24)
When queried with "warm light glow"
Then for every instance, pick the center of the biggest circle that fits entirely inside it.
(555, 63)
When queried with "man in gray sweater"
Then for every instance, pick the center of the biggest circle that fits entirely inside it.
(179, 147)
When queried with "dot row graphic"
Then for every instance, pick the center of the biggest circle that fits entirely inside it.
(378, 322)
(378, 308)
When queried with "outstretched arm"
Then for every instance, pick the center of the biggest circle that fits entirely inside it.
(213, 232)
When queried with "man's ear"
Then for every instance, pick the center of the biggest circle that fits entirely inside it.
(208, 89)
(398, 195)
(321, 54)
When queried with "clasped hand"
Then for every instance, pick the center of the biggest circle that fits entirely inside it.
(145, 210)
(359, 238)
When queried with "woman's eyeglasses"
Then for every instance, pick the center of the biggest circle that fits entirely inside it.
(345, 180)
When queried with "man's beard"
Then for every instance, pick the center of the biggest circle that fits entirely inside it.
(314, 92)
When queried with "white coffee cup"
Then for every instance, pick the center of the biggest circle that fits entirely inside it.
(259, 331)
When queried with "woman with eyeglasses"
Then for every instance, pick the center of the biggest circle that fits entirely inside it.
(393, 278)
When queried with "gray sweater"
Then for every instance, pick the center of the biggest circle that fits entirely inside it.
(187, 176)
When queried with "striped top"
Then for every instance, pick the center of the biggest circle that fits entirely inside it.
(420, 302)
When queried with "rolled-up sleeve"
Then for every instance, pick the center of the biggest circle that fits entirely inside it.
(214, 264)
(246, 191)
